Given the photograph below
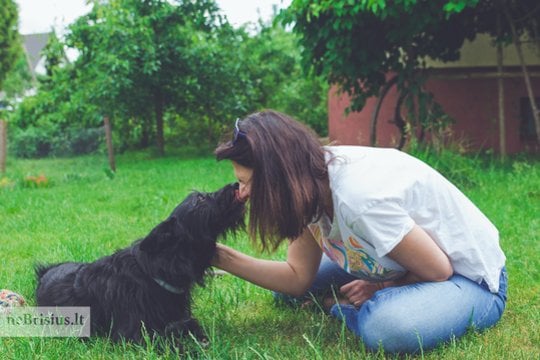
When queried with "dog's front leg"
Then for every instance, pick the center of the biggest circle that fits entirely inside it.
(192, 326)
(182, 329)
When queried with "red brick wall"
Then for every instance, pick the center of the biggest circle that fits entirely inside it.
(472, 102)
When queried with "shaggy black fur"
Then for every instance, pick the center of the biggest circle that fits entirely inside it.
(126, 289)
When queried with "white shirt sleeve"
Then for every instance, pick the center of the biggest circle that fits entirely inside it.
(383, 225)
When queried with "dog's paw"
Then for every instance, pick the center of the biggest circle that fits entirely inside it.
(204, 342)
(174, 329)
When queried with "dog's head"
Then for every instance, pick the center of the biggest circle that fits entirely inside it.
(211, 213)
(183, 245)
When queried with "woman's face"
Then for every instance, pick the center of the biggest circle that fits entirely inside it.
(243, 174)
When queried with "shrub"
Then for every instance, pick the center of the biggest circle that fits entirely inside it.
(37, 142)
(30, 143)
(85, 141)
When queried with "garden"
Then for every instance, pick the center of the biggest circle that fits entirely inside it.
(170, 78)
(73, 209)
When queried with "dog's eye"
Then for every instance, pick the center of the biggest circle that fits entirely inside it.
(201, 197)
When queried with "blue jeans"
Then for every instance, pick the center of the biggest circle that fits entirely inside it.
(418, 316)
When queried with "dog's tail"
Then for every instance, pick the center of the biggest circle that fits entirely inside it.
(41, 269)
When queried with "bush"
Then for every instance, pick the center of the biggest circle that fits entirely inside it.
(30, 143)
(37, 142)
(85, 141)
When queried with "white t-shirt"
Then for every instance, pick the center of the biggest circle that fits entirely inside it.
(379, 194)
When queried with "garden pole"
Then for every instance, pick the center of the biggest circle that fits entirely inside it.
(3, 146)
(500, 88)
(108, 137)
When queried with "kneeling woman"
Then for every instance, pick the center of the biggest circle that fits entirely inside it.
(414, 262)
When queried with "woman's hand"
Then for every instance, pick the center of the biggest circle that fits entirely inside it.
(419, 254)
(358, 291)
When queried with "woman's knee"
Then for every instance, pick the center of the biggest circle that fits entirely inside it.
(387, 330)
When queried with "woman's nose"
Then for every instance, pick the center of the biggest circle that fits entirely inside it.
(243, 192)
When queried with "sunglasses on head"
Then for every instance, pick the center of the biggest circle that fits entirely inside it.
(237, 133)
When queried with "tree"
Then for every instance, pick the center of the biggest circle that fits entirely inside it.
(18, 80)
(55, 54)
(164, 70)
(9, 37)
(277, 80)
(358, 45)
(143, 59)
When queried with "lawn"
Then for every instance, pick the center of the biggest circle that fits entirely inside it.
(79, 212)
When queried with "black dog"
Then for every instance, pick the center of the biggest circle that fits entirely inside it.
(149, 282)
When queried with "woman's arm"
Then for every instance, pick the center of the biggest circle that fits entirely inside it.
(422, 257)
(293, 276)
(418, 254)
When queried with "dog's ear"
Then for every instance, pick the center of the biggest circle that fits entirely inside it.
(160, 237)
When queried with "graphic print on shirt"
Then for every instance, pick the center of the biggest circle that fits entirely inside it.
(363, 265)
(353, 257)
(333, 249)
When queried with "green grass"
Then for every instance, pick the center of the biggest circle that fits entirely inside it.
(85, 213)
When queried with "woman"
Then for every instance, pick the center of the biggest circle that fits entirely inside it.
(413, 260)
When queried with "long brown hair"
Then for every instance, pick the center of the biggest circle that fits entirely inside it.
(290, 176)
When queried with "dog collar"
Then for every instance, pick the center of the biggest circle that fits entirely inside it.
(168, 286)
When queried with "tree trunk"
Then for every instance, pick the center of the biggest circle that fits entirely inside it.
(519, 50)
(146, 130)
(500, 87)
(400, 123)
(160, 142)
(375, 113)
(108, 138)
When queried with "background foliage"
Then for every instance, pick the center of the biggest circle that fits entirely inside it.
(74, 209)
(172, 72)
(9, 37)
(364, 47)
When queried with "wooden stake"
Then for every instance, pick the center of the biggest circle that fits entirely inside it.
(108, 137)
(3, 146)
(500, 87)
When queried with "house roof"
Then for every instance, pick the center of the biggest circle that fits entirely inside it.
(34, 44)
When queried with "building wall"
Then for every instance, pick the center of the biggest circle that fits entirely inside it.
(467, 90)
(470, 97)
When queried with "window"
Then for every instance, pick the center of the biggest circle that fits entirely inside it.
(527, 129)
